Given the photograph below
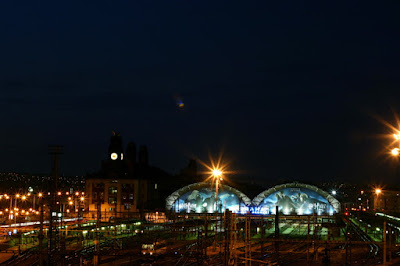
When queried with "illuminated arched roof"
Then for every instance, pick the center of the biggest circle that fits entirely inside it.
(174, 196)
(332, 200)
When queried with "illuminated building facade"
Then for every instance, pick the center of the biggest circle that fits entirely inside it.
(117, 196)
(291, 199)
(296, 199)
(125, 184)
(200, 198)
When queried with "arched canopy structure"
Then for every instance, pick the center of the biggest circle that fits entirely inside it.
(296, 198)
(200, 198)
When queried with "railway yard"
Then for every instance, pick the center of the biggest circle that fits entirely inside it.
(208, 240)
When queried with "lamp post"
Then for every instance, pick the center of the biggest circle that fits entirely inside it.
(217, 176)
(396, 153)
(82, 199)
(216, 173)
(378, 191)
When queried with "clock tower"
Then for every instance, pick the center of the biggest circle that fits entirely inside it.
(115, 151)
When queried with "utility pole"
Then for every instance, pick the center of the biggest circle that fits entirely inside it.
(99, 191)
(390, 243)
(228, 236)
(384, 243)
(277, 232)
(53, 237)
(308, 239)
(206, 235)
(234, 239)
(247, 240)
(262, 236)
(41, 236)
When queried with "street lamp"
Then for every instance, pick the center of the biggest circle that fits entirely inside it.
(378, 191)
(216, 173)
(396, 151)
(80, 216)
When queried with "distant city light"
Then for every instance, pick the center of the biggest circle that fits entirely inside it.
(396, 151)
(378, 191)
(333, 192)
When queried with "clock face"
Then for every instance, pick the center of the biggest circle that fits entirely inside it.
(114, 156)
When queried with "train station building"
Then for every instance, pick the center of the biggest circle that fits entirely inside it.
(291, 199)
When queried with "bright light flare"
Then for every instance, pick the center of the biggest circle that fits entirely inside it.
(333, 192)
(395, 151)
(217, 173)
(216, 169)
(378, 191)
(396, 136)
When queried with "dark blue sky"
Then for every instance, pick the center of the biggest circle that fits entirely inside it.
(288, 90)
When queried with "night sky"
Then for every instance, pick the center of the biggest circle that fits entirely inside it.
(287, 90)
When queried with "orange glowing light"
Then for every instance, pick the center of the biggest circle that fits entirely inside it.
(217, 169)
